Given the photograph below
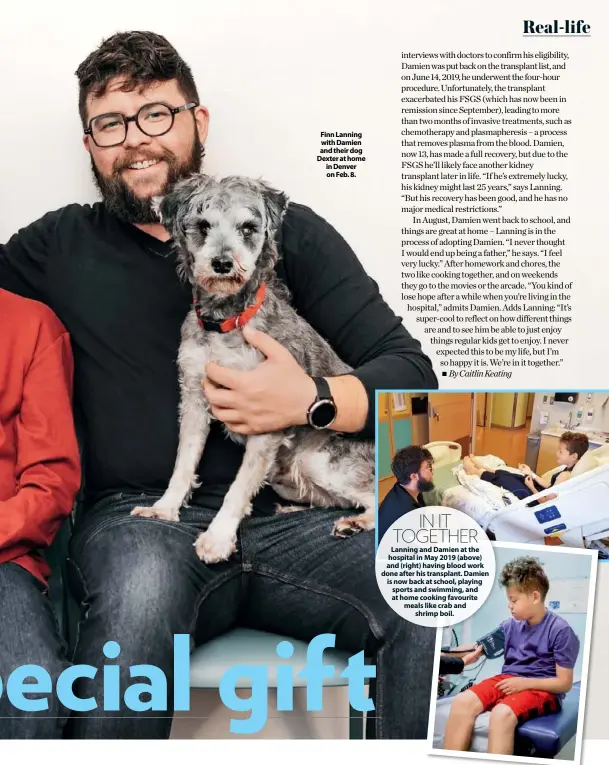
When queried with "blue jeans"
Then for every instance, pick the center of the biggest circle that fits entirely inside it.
(28, 635)
(140, 582)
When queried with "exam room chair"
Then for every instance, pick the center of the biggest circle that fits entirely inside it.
(209, 662)
(547, 735)
(543, 737)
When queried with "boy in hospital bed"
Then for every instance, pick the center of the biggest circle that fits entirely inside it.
(541, 650)
(571, 448)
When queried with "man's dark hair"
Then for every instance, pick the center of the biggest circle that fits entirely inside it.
(527, 575)
(408, 460)
(141, 58)
(576, 443)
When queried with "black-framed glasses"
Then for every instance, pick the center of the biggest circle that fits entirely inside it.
(152, 119)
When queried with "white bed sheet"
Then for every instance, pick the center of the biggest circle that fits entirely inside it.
(479, 499)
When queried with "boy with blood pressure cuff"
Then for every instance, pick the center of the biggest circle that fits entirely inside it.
(541, 650)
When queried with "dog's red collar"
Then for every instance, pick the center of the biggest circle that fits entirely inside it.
(233, 322)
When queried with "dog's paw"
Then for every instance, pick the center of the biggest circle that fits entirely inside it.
(163, 514)
(213, 548)
(354, 524)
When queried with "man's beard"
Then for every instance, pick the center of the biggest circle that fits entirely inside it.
(423, 485)
(120, 199)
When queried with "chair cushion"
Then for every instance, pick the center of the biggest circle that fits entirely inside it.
(544, 736)
(547, 735)
(209, 662)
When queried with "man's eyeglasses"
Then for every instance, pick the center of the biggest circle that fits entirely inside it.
(152, 119)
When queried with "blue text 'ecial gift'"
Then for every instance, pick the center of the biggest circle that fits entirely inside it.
(155, 685)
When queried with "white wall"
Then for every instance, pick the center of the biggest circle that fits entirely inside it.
(560, 411)
(274, 75)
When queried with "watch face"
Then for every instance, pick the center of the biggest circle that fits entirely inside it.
(323, 414)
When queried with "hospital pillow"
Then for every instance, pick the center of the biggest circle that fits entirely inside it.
(586, 463)
(548, 475)
(601, 455)
(440, 454)
(444, 452)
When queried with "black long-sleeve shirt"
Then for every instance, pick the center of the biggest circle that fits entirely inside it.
(451, 665)
(397, 503)
(116, 290)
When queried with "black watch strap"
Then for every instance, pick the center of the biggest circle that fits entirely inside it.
(322, 412)
(323, 389)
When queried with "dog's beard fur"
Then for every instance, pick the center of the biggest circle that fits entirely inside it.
(222, 285)
(120, 199)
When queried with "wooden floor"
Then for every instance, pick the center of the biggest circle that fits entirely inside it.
(510, 445)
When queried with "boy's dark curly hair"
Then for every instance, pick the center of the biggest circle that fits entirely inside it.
(576, 443)
(527, 575)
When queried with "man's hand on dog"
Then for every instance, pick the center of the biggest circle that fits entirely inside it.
(275, 395)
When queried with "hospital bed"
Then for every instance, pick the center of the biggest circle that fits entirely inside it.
(579, 513)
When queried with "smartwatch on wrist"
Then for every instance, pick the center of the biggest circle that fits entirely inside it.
(322, 412)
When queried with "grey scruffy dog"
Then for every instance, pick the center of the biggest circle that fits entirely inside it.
(224, 232)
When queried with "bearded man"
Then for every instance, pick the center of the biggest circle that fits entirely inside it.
(412, 467)
(108, 271)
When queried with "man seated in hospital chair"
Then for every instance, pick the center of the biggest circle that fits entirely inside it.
(571, 448)
(39, 479)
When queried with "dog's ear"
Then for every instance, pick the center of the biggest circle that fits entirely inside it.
(172, 209)
(275, 205)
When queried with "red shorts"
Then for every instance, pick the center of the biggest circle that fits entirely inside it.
(525, 704)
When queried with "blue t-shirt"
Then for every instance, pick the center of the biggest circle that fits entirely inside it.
(535, 650)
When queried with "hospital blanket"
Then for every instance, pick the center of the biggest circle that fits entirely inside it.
(477, 498)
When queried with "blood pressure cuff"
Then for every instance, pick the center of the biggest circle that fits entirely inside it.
(493, 643)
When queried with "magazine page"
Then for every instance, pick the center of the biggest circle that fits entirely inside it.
(304, 412)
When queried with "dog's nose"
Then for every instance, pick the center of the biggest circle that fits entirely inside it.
(222, 265)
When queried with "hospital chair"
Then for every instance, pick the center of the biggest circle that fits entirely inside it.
(547, 735)
(541, 737)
